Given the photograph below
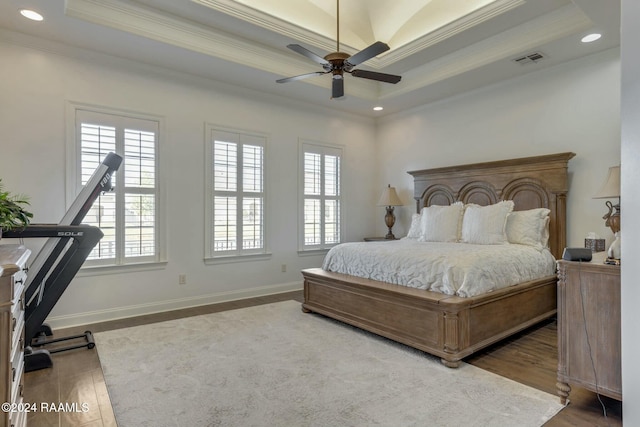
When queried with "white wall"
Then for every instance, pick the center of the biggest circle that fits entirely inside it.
(630, 206)
(36, 86)
(569, 107)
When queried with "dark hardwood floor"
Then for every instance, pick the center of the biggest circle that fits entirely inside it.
(529, 358)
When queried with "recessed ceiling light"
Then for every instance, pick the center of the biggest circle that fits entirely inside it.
(378, 108)
(31, 14)
(591, 38)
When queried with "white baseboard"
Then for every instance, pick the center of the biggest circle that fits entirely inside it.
(67, 321)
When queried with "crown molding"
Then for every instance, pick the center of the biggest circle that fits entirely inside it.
(449, 30)
(563, 22)
(303, 35)
(271, 23)
(155, 25)
(151, 24)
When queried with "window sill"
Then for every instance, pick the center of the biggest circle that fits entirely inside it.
(225, 259)
(99, 270)
(312, 252)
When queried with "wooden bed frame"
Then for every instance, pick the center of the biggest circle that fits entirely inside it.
(452, 327)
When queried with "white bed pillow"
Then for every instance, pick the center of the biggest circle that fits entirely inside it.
(441, 223)
(485, 225)
(530, 227)
(414, 230)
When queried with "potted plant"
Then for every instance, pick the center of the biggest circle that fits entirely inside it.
(12, 210)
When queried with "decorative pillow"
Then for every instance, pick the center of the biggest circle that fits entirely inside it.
(441, 223)
(530, 227)
(485, 225)
(414, 230)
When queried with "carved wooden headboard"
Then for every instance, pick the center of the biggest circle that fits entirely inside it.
(531, 182)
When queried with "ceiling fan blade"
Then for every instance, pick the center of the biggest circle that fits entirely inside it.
(372, 75)
(306, 52)
(337, 87)
(300, 77)
(375, 49)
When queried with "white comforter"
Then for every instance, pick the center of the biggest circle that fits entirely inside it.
(450, 268)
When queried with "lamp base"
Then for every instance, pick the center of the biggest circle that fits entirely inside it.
(389, 220)
(614, 249)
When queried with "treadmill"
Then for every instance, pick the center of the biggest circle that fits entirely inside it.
(67, 247)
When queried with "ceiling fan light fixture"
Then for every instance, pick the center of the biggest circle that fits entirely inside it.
(378, 108)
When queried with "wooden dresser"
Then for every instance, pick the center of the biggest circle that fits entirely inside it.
(589, 327)
(12, 280)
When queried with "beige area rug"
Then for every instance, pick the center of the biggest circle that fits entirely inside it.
(272, 365)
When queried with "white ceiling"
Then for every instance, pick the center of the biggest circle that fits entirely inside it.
(440, 47)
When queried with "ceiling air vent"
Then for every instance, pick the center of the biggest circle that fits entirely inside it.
(529, 58)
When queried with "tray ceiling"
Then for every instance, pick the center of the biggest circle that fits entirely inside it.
(440, 47)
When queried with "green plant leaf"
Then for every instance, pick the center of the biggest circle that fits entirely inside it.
(13, 213)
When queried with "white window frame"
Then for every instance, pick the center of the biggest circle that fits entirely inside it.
(240, 137)
(76, 114)
(323, 149)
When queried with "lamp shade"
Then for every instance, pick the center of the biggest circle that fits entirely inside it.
(611, 187)
(389, 197)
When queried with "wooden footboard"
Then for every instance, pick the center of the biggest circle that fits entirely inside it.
(449, 327)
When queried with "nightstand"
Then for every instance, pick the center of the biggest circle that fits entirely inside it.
(378, 239)
(589, 327)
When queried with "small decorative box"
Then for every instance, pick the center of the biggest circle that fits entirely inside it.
(596, 245)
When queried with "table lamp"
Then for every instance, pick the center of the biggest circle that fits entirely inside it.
(389, 198)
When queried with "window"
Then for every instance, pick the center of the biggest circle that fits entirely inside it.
(235, 190)
(128, 215)
(321, 209)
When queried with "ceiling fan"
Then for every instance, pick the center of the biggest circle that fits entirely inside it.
(337, 63)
